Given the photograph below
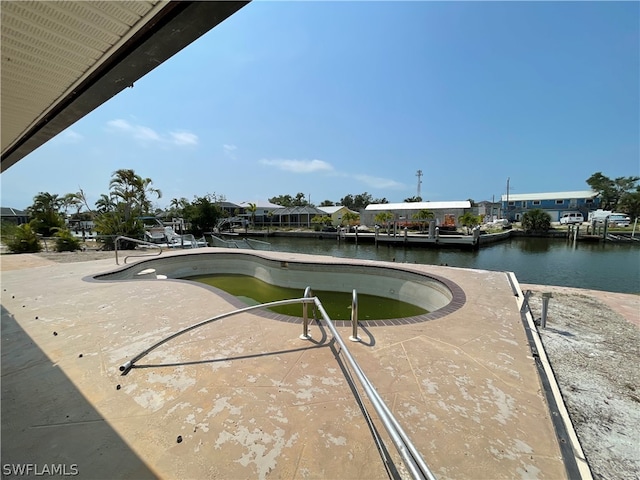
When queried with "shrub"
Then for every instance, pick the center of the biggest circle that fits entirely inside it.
(21, 239)
(65, 242)
(111, 224)
(536, 221)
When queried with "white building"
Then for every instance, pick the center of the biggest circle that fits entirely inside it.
(404, 212)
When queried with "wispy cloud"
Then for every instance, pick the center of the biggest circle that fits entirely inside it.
(149, 135)
(229, 149)
(298, 166)
(378, 182)
(184, 138)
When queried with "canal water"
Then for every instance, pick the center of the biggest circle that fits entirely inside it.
(545, 261)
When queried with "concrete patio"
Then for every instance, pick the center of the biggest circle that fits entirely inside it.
(245, 397)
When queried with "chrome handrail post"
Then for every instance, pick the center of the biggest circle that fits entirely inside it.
(354, 317)
(115, 247)
(305, 315)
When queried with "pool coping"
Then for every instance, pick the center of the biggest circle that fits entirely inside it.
(458, 297)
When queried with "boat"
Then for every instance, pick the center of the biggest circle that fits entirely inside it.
(165, 236)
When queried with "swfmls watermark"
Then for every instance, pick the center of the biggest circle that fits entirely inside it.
(39, 469)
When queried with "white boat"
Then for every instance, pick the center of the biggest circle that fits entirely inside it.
(165, 236)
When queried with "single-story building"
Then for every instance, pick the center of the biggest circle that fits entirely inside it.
(8, 214)
(554, 203)
(263, 214)
(444, 212)
(336, 213)
(296, 216)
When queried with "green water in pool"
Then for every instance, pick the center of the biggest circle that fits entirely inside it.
(253, 291)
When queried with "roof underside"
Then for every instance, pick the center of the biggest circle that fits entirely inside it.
(61, 60)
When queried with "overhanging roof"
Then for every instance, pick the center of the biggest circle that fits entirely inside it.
(63, 59)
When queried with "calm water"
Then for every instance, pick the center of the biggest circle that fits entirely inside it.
(545, 261)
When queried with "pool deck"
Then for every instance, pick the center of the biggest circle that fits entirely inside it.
(245, 397)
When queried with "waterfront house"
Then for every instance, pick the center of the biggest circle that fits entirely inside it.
(264, 211)
(13, 215)
(299, 217)
(336, 213)
(554, 203)
(404, 212)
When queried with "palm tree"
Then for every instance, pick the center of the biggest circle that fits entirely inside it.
(144, 189)
(349, 218)
(469, 220)
(71, 200)
(128, 199)
(45, 212)
(252, 208)
(105, 204)
(132, 190)
(536, 220)
(422, 216)
(384, 218)
(270, 217)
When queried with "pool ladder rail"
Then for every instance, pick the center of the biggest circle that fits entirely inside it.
(410, 455)
(140, 242)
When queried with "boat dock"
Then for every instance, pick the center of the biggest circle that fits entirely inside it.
(592, 233)
(431, 239)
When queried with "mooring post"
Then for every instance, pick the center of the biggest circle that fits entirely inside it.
(545, 308)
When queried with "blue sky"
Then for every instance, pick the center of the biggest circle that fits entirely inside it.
(337, 98)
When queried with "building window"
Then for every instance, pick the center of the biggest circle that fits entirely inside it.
(559, 202)
(512, 204)
(589, 200)
(536, 202)
(524, 204)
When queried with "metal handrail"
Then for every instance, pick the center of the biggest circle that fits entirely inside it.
(259, 242)
(179, 241)
(308, 293)
(407, 450)
(409, 453)
(228, 243)
(127, 366)
(141, 242)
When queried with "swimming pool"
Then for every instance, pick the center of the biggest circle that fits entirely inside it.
(438, 295)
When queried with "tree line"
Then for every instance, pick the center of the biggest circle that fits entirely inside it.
(130, 198)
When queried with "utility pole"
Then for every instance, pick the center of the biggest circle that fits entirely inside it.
(419, 175)
(507, 205)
